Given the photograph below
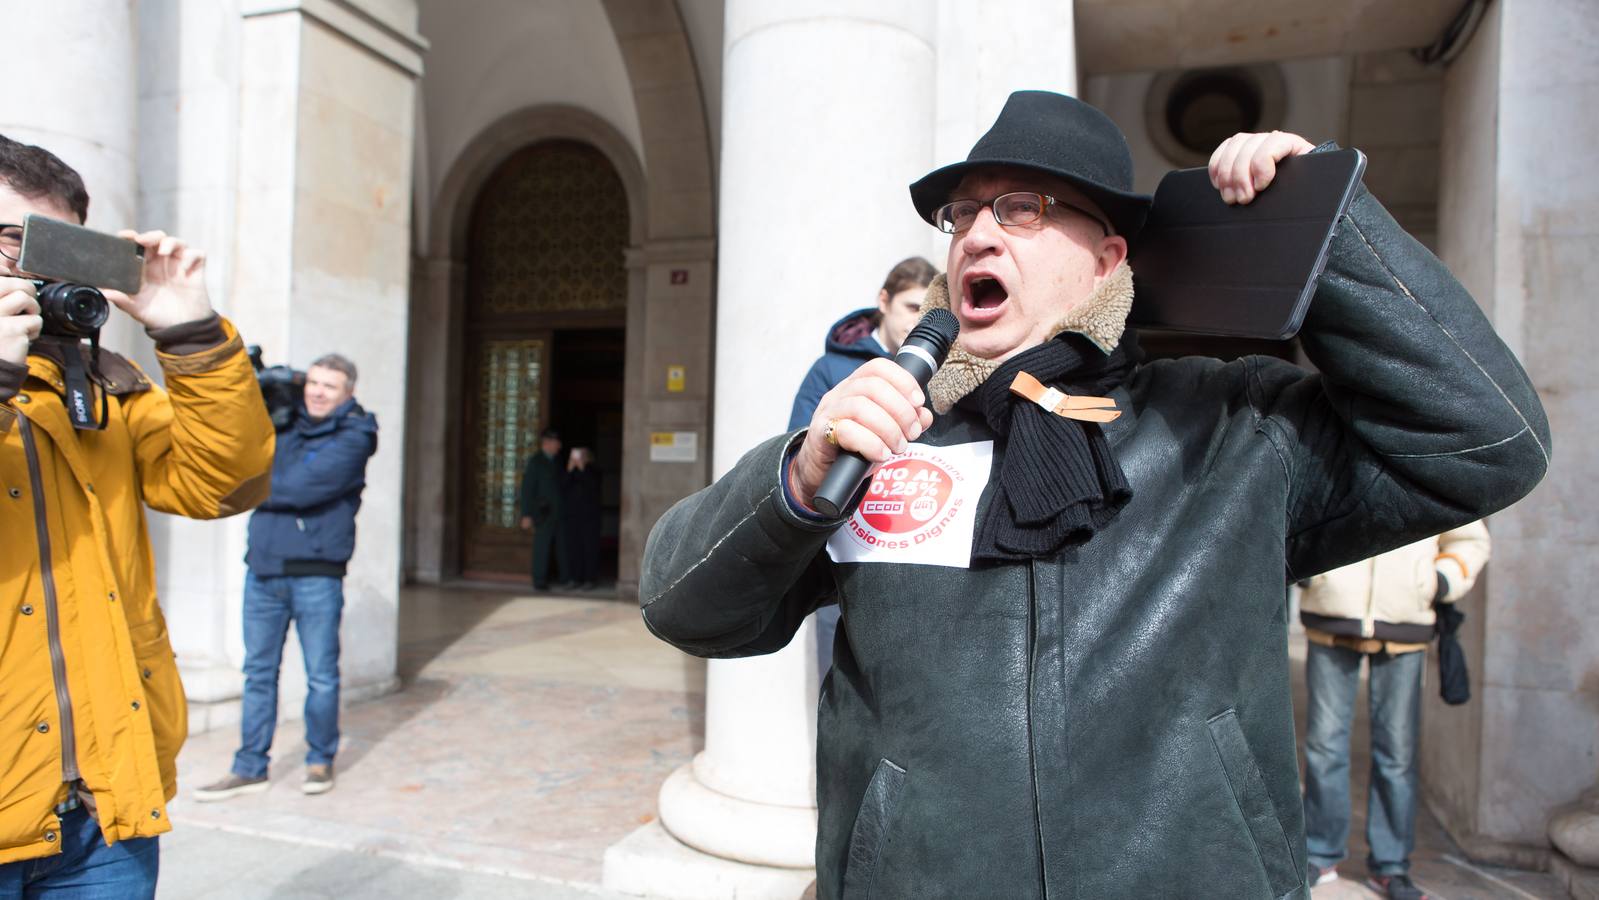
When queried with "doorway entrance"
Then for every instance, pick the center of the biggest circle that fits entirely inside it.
(545, 323)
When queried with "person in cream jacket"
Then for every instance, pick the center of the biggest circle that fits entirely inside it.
(1378, 611)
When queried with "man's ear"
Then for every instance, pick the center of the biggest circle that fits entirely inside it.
(882, 301)
(1112, 251)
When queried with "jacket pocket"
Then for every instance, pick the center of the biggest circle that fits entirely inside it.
(870, 834)
(1254, 803)
(163, 695)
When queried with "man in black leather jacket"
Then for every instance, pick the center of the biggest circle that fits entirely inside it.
(1062, 669)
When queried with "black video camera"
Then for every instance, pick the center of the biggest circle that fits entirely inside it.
(282, 387)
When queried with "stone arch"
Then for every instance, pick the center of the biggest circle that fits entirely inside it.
(671, 311)
(452, 209)
(672, 118)
(432, 514)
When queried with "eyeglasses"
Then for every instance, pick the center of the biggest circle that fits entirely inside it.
(11, 241)
(1015, 208)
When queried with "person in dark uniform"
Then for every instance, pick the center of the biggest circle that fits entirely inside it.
(580, 509)
(541, 506)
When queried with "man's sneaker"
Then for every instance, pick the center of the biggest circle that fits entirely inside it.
(1319, 875)
(230, 785)
(318, 779)
(1397, 887)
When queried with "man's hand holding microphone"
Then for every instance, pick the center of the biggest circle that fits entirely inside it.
(869, 417)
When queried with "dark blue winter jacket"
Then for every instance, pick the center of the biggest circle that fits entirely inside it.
(307, 526)
(849, 344)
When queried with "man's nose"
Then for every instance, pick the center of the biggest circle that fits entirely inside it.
(984, 235)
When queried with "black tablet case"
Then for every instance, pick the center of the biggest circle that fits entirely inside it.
(1202, 266)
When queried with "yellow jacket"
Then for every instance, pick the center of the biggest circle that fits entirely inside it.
(85, 663)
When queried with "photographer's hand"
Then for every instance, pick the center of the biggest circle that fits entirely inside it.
(174, 283)
(19, 319)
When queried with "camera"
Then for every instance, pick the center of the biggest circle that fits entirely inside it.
(64, 260)
(72, 310)
(282, 388)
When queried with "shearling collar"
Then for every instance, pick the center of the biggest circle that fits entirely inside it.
(1101, 318)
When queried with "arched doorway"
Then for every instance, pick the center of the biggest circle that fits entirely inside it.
(544, 340)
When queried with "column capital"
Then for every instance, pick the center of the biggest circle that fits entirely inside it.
(670, 251)
(386, 36)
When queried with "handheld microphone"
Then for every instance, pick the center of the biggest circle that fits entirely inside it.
(921, 354)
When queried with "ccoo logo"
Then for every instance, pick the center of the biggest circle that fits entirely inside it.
(905, 495)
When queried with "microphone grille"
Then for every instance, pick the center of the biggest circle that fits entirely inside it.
(943, 323)
(936, 333)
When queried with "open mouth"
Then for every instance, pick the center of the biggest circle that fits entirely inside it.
(985, 294)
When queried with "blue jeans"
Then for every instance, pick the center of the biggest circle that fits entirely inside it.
(315, 604)
(1332, 675)
(86, 869)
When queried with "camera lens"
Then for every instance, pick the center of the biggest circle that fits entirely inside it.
(87, 307)
(73, 310)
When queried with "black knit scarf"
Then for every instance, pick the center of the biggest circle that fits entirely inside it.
(1058, 480)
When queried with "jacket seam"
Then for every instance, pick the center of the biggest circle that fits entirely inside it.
(204, 361)
(1489, 446)
(1263, 423)
(708, 554)
(1265, 426)
(1405, 289)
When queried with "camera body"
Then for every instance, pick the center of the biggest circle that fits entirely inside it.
(72, 310)
(282, 387)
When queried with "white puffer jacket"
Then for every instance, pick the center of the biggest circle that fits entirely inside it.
(1390, 596)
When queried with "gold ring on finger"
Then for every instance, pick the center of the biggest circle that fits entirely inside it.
(831, 434)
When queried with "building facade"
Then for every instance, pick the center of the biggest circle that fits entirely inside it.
(632, 221)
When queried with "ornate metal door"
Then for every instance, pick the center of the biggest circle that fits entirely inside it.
(512, 395)
(548, 234)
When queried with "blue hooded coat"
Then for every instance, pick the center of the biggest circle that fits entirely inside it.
(849, 344)
(307, 526)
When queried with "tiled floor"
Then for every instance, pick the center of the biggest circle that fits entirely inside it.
(531, 734)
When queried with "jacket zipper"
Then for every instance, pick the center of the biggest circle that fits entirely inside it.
(1032, 758)
(58, 662)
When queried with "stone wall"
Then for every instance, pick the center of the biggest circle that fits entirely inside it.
(1517, 213)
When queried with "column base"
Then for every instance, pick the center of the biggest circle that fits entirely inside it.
(1581, 882)
(651, 863)
(760, 834)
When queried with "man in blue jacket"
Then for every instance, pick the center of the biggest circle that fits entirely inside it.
(301, 538)
(861, 336)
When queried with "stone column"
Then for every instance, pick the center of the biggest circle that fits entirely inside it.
(437, 283)
(814, 211)
(322, 260)
(188, 178)
(1518, 221)
(74, 71)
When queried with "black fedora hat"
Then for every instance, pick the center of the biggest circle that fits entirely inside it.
(1056, 135)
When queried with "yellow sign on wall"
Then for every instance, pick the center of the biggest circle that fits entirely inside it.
(674, 446)
(676, 379)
